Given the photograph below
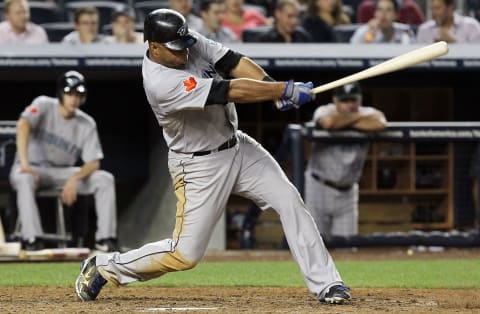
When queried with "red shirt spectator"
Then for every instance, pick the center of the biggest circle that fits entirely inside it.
(237, 18)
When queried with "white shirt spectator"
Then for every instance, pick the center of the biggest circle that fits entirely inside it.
(74, 38)
(401, 34)
(465, 30)
(33, 34)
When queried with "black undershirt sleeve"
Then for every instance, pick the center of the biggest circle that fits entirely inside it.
(227, 63)
(218, 94)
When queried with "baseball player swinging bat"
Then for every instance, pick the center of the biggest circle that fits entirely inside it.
(398, 63)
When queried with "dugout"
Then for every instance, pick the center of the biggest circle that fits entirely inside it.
(440, 90)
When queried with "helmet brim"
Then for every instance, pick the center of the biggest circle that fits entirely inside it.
(185, 42)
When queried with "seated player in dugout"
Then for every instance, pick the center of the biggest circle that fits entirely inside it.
(209, 159)
(52, 135)
(334, 169)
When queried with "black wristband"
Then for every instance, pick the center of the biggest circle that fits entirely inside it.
(268, 78)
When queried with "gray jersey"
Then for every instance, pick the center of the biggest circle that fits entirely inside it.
(341, 163)
(56, 141)
(178, 98)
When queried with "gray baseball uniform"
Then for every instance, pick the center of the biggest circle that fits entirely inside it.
(331, 189)
(54, 146)
(205, 172)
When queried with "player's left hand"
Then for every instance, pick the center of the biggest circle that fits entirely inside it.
(298, 93)
(69, 192)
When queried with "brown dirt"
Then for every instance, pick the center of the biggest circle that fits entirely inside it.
(140, 299)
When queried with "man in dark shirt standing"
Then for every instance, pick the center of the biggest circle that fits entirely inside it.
(285, 28)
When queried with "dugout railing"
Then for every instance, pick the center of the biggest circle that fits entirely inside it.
(429, 196)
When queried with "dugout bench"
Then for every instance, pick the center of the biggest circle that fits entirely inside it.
(62, 225)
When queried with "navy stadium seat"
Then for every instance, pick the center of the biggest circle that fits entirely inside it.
(44, 12)
(107, 29)
(142, 8)
(344, 32)
(56, 31)
(250, 35)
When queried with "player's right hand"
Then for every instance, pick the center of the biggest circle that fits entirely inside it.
(298, 93)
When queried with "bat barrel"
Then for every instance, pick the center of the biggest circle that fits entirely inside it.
(398, 63)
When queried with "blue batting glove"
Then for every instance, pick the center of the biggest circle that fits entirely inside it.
(298, 93)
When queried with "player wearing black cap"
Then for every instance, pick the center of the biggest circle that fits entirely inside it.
(331, 189)
(52, 135)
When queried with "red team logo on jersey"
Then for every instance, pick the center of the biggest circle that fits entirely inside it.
(190, 83)
(33, 110)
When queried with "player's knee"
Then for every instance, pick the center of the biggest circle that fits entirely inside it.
(103, 178)
(177, 262)
(186, 265)
(23, 179)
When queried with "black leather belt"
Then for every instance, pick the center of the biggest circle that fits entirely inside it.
(228, 144)
(332, 184)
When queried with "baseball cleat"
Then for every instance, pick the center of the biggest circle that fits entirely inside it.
(89, 282)
(336, 295)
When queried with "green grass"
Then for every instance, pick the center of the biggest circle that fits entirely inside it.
(400, 274)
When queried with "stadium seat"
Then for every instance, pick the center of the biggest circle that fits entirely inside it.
(344, 32)
(107, 29)
(44, 12)
(142, 8)
(474, 9)
(353, 4)
(56, 31)
(250, 35)
(105, 9)
(118, 1)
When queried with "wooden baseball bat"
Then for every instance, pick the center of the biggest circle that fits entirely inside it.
(398, 63)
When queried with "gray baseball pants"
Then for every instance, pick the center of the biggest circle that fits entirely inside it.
(334, 211)
(100, 183)
(203, 185)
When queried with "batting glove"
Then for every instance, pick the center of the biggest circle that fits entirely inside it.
(298, 93)
(284, 104)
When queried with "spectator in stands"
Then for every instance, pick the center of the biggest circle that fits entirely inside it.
(185, 8)
(409, 12)
(123, 28)
(322, 16)
(237, 18)
(334, 169)
(383, 28)
(212, 15)
(17, 27)
(447, 25)
(285, 28)
(86, 24)
(52, 135)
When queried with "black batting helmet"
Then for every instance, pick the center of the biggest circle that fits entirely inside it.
(169, 28)
(71, 82)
